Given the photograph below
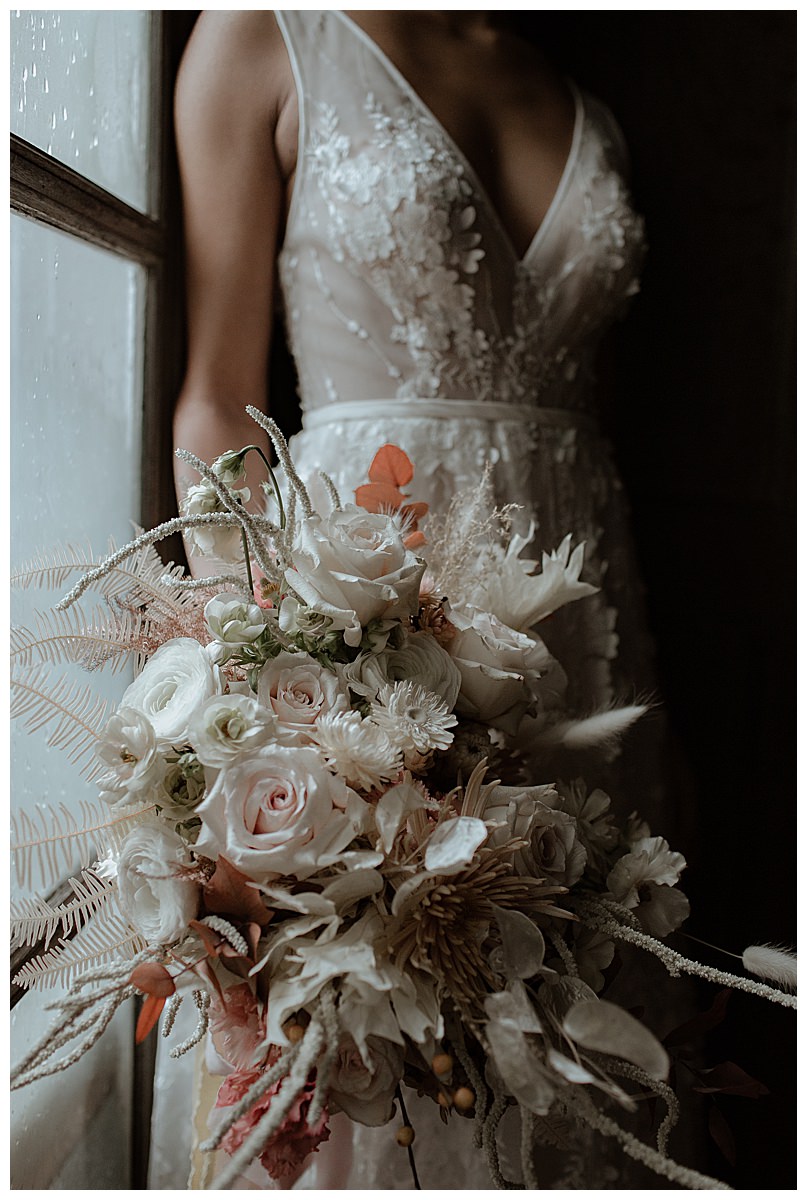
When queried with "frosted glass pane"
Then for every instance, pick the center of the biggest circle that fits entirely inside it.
(89, 1105)
(80, 91)
(76, 385)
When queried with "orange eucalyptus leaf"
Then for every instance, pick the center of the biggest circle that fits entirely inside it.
(378, 497)
(153, 979)
(391, 465)
(149, 1016)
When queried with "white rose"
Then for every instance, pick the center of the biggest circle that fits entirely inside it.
(226, 726)
(154, 894)
(276, 812)
(353, 567)
(128, 746)
(299, 690)
(500, 669)
(233, 622)
(420, 660)
(364, 1087)
(521, 599)
(175, 681)
(213, 541)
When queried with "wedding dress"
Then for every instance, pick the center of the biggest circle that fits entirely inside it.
(413, 320)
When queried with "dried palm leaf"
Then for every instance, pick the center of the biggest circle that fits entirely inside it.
(109, 938)
(54, 839)
(73, 716)
(100, 638)
(34, 917)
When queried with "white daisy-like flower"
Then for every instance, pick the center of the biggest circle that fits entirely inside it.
(360, 751)
(414, 718)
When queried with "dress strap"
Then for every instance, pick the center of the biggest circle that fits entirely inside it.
(416, 409)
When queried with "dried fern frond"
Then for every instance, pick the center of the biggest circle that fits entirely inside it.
(100, 638)
(107, 939)
(34, 917)
(72, 715)
(53, 569)
(54, 839)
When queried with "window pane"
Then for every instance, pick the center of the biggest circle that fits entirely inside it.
(76, 348)
(80, 91)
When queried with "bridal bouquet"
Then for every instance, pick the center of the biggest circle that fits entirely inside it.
(326, 818)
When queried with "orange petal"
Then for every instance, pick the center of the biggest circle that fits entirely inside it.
(391, 465)
(149, 1016)
(415, 540)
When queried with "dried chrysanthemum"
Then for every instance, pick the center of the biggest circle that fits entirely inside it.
(432, 616)
(414, 718)
(358, 750)
(447, 925)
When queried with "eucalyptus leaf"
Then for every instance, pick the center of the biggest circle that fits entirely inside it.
(453, 844)
(600, 1025)
(522, 1072)
(523, 946)
(393, 808)
(514, 1006)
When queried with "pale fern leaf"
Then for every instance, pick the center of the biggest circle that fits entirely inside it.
(56, 840)
(107, 939)
(53, 569)
(73, 717)
(34, 917)
(100, 638)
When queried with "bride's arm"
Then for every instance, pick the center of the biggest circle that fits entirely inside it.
(232, 88)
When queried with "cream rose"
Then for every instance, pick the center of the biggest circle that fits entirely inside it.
(298, 691)
(353, 567)
(175, 681)
(364, 1087)
(233, 622)
(154, 893)
(500, 669)
(276, 812)
(128, 746)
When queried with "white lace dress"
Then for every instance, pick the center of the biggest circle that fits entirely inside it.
(413, 320)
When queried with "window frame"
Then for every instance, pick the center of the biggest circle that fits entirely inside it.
(45, 190)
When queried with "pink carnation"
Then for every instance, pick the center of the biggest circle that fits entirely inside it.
(287, 1149)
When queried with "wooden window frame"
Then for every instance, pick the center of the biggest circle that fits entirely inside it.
(45, 190)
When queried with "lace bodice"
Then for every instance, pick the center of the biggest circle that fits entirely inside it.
(398, 277)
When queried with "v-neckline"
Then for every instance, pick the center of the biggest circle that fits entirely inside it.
(479, 187)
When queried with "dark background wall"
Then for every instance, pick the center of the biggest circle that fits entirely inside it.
(703, 416)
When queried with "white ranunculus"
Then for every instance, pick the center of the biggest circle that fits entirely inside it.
(299, 690)
(363, 1087)
(154, 893)
(175, 681)
(500, 669)
(353, 567)
(276, 812)
(128, 746)
(227, 726)
(420, 660)
(233, 622)
(520, 598)
(213, 541)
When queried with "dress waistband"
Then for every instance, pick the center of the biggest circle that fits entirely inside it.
(445, 409)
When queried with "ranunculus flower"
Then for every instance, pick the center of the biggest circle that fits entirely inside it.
(154, 891)
(175, 681)
(363, 1087)
(233, 623)
(500, 669)
(299, 690)
(227, 726)
(353, 566)
(420, 660)
(213, 541)
(276, 812)
(128, 746)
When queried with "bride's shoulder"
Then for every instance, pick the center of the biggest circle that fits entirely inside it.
(237, 56)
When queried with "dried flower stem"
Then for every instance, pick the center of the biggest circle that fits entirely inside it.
(495, 1114)
(284, 457)
(564, 953)
(596, 917)
(586, 1110)
(330, 1021)
(330, 488)
(201, 585)
(202, 1001)
(474, 1078)
(527, 1142)
(170, 1013)
(626, 1070)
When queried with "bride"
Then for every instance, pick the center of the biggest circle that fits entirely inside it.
(446, 225)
